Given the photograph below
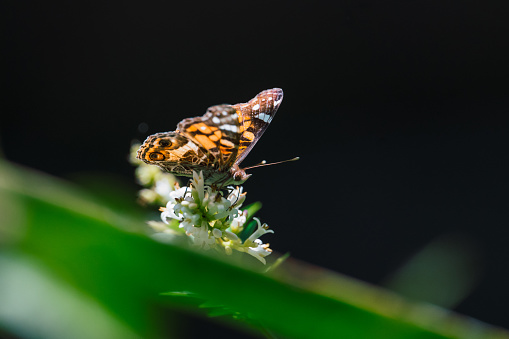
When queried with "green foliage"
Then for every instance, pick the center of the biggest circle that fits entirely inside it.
(72, 268)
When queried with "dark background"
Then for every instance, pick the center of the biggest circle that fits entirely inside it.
(398, 110)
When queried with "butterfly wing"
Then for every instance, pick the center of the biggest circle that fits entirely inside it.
(216, 142)
(217, 133)
(254, 118)
(173, 152)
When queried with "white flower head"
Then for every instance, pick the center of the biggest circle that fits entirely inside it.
(213, 219)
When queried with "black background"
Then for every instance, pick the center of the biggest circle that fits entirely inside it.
(398, 110)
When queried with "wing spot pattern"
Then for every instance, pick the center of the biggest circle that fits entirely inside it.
(227, 143)
(248, 135)
(205, 141)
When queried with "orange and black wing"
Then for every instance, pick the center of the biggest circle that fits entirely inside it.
(217, 133)
(254, 118)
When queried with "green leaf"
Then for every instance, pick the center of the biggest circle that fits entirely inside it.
(252, 208)
(443, 273)
(29, 292)
(83, 256)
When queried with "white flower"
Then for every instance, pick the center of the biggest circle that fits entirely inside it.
(236, 197)
(212, 220)
(238, 222)
(260, 251)
(254, 246)
(170, 210)
(261, 230)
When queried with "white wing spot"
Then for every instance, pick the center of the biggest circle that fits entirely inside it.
(232, 128)
(255, 107)
(203, 128)
(225, 113)
(216, 120)
(264, 117)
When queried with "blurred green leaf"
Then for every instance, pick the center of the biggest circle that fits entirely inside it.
(36, 304)
(252, 208)
(103, 260)
(442, 273)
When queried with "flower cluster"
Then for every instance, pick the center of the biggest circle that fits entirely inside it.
(212, 220)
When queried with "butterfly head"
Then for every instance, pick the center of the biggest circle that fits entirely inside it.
(238, 175)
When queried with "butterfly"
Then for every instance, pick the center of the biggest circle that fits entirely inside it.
(215, 143)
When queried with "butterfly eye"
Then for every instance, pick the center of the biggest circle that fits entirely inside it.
(156, 156)
(164, 143)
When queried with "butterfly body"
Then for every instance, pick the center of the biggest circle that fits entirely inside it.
(215, 143)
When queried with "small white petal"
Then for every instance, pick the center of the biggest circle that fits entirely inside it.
(164, 216)
(255, 253)
(259, 231)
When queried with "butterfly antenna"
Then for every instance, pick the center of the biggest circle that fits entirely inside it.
(261, 163)
(264, 163)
